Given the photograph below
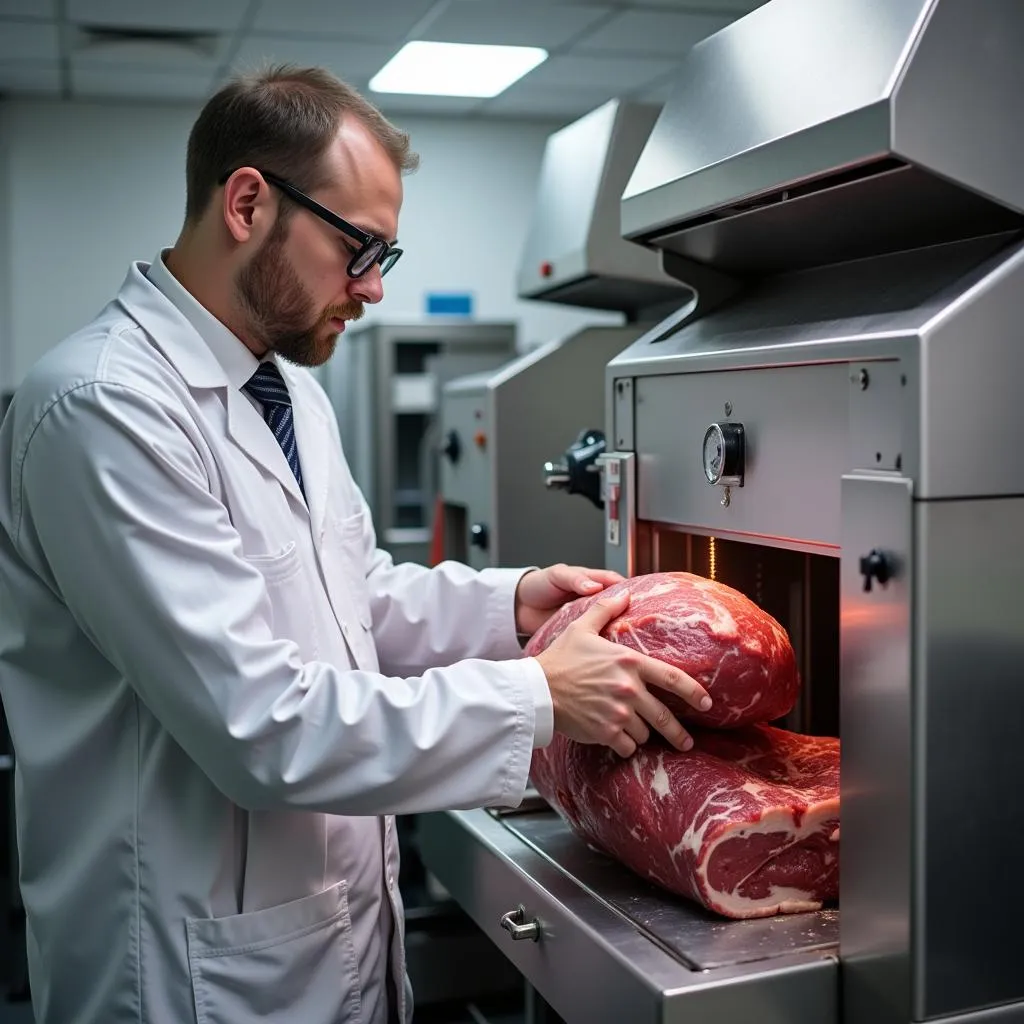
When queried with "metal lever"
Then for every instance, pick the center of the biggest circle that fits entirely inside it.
(512, 922)
(576, 472)
(556, 476)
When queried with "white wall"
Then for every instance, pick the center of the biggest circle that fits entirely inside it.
(91, 186)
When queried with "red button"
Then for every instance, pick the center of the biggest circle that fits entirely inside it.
(546, 269)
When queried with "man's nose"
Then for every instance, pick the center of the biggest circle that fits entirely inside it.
(369, 288)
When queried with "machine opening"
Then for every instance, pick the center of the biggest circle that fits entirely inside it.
(799, 589)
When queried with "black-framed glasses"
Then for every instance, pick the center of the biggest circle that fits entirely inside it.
(372, 250)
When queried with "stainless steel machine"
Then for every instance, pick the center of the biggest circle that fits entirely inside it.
(499, 428)
(385, 383)
(831, 425)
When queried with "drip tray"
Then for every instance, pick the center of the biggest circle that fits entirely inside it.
(695, 937)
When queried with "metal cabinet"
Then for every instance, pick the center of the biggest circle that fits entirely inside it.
(384, 383)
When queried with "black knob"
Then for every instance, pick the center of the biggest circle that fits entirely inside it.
(875, 566)
(576, 472)
(478, 536)
(452, 447)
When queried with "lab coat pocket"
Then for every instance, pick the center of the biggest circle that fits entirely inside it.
(290, 603)
(280, 566)
(294, 962)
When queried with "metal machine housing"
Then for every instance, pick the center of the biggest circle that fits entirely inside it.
(840, 184)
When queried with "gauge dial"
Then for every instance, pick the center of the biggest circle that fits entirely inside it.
(714, 453)
(723, 454)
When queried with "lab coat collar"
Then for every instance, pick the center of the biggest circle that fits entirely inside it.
(208, 355)
(236, 360)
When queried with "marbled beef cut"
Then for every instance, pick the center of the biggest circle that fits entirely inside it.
(744, 822)
(734, 649)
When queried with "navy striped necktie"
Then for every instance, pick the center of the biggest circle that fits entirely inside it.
(267, 386)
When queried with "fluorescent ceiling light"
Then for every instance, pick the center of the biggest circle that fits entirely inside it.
(456, 69)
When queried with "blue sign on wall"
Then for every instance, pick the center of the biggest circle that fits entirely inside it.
(449, 304)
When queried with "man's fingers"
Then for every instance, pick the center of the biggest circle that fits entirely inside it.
(661, 719)
(637, 730)
(658, 673)
(601, 612)
(589, 581)
(577, 579)
(623, 744)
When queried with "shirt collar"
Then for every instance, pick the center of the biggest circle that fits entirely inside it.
(235, 359)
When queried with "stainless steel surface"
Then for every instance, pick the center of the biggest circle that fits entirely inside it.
(624, 413)
(842, 180)
(969, 358)
(809, 131)
(944, 313)
(736, 124)
(528, 410)
(995, 1015)
(881, 399)
(795, 425)
(592, 964)
(968, 706)
(698, 939)
(875, 710)
(574, 251)
(385, 383)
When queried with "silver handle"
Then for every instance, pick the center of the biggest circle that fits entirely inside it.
(556, 476)
(512, 922)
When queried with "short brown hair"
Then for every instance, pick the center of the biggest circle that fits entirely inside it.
(281, 119)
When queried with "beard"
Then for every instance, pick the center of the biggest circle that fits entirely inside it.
(279, 311)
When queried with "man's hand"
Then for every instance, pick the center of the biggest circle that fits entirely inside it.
(599, 689)
(543, 591)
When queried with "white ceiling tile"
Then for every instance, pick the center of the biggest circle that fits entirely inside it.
(346, 59)
(389, 20)
(529, 23)
(139, 84)
(181, 15)
(28, 40)
(652, 32)
(169, 54)
(528, 101)
(42, 9)
(21, 78)
(617, 74)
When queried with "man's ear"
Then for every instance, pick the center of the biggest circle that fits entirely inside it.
(247, 204)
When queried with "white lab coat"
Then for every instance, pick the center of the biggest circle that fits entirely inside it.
(213, 688)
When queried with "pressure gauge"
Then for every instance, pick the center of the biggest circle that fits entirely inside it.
(723, 454)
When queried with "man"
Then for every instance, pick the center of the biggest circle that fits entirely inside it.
(218, 689)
